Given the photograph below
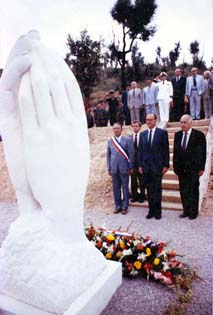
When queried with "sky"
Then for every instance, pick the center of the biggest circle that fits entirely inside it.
(175, 20)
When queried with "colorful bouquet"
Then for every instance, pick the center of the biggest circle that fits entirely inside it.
(139, 256)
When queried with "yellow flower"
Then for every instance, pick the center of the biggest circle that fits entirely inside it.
(137, 264)
(148, 251)
(122, 245)
(156, 261)
(110, 237)
(108, 255)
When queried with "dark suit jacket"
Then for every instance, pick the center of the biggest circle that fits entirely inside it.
(179, 87)
(154, 158)
(136, 151)
(192, 159)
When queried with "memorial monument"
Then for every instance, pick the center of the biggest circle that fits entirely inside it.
(46, 261)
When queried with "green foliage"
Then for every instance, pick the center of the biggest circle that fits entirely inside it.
(194, 50)
(135, 19)
(84, 58)
(174, 55)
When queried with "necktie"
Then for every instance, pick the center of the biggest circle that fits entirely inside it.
(150, 138)
(136, 143)
(134, 92)
(184, 143)
(194, 80)
(177, 79)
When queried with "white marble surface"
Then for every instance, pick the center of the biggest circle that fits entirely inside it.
(46, 260)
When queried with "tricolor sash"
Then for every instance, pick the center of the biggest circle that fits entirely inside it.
(120, 148)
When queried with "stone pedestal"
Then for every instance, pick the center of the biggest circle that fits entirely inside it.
(92, 301)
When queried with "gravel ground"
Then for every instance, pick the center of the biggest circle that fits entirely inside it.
(193, 239)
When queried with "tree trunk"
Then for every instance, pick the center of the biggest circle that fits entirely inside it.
(123, 73)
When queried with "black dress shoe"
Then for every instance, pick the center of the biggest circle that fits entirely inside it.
(134, 200)
(141, 200)
(192, 217)
(116, 211)
(183, 215)
(158, 217)
(149, 216)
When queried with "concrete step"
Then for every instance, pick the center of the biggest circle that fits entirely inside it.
(170, 175)
(171, 165)
(165, 205)
(170, 184)
(171, 196)
(195, 123)
(172, 130)
(171, 141)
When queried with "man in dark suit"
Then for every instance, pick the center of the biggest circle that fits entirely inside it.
(189, 163)
(179, 87)
(112, 101)
(136, 177)
(120, 157)
(153, 163)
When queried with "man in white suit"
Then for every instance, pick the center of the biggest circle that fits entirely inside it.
(134, 101)
(164, 96)
(194, 90)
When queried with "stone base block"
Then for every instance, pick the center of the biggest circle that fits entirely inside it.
(92, 301)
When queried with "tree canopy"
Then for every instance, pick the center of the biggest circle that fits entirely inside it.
(84, 58)
(135, 18)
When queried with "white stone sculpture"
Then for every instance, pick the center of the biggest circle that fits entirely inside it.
(46, 260)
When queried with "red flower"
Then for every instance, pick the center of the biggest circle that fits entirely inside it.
(99, 244)
(140, 247)
(147, 267)
(129, 266)
(167, 274)
(91, 232)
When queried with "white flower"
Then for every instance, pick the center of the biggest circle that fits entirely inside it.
(142, 256)
(165, 266)
(127, 252)
(136, 242)
(105, 245)
(134, 273)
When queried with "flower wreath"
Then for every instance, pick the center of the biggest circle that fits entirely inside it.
(141, 257)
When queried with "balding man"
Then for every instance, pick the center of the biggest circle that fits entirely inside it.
(135, 101)
(194, 91)
(120, 159)
(206, 95)
(189, 160)
(179, 88)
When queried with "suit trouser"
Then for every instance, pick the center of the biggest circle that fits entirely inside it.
(157, 113)
(137, 182)
(189, 191)
(150, 109)
(164, 109)
(195, 104)
(120, 182)
(135, 114)
(207, 107)
(177, 109)
(153, 183)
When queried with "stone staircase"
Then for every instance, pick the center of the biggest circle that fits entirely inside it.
(170, 195)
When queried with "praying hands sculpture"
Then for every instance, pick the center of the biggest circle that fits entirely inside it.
(44, 132)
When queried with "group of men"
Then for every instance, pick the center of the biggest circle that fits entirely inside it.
(145, 156)
(169, 100)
